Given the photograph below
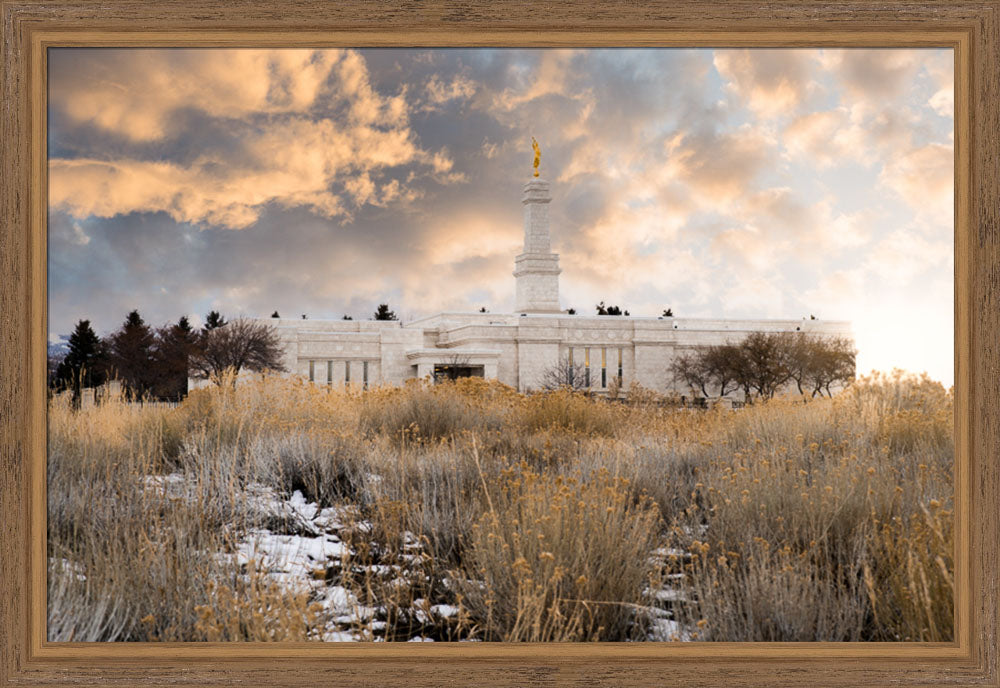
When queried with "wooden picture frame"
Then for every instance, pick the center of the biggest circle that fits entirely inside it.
(971, 29)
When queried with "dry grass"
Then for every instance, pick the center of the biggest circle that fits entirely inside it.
(557, 558)
(253, 608)
(533, 516)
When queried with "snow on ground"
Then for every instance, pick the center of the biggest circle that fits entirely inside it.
(308, 556)
(665, 630)
(295, 555)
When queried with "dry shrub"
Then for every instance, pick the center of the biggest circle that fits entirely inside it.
(637, 395)
(326, 468)
(556, 558)
(142, 566)
(909, 576)
(132, 554)
(767, 594)
(440, 486)
(547, 448)
(815, 498)
(424, 412)
(569, 411)
(899, 410)
(390, 573)
(253, 608)
(828, 515)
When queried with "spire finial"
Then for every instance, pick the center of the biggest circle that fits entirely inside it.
(538, 154)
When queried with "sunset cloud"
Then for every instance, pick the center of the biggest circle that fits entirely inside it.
(873, 75)
(924, 178)
(721, 166)
(770, 82)
(134, 92)
(320, 161)
(828, 138)
(302, 162)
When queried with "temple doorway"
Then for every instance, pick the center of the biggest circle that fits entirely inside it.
(452, 371)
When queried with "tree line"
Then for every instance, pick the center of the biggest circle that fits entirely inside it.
(765, 362)
(155, 363)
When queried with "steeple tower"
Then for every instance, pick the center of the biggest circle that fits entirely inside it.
(536, 270)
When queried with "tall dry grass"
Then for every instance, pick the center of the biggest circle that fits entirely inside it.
(534, 516)
(557, 558)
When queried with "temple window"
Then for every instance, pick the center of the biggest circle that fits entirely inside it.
(604, 367)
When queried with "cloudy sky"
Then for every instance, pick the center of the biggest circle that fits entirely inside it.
(720, 183)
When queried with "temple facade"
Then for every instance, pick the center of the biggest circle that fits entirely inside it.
(522, 348)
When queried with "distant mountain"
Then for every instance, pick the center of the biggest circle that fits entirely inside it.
(58, 346)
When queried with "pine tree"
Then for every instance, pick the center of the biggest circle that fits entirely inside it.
(609, 310)
(175, 346)
(383, 313)
(213, 320)
(275, 315)
(84, 364)
(132, 350)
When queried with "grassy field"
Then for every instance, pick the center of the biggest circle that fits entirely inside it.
(279, 510)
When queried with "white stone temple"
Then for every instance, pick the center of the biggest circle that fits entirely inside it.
(518, 348)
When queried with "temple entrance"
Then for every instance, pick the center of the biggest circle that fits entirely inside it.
(450, 371)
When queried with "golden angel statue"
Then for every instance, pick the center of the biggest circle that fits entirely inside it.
(538, 153)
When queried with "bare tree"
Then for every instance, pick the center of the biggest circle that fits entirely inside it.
(800, 352)
(725, 365)
(719, 369)
(240, 343)
(564, 374)
(763, 363)
(690, 368)
(832, 363)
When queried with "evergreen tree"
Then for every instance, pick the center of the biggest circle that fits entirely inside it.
(132, 350)
(383, 313)
(213, 320)
(175, 346)
(84, 364)
(275, 315)
(609, 310)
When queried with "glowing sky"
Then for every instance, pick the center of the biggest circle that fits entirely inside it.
(720, 183)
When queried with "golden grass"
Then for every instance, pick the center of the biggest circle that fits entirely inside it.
(557, 558)
(795, 519)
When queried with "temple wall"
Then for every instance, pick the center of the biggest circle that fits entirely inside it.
(517, 350)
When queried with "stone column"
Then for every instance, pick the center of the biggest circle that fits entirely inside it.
(536, 270)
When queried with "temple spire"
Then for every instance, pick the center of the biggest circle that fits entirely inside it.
(536, 270)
